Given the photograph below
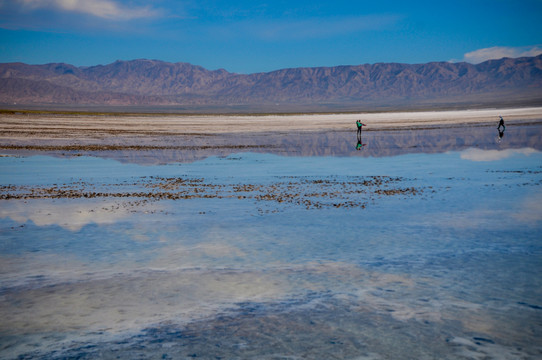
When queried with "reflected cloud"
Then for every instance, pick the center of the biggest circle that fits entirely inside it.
(70, 215)
(494, 155)
(220, 250)
(101, 304)
(187, 257)
(94, 309)
(530, 209)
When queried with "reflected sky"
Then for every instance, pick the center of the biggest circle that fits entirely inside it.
(382, 143)
(444, 245)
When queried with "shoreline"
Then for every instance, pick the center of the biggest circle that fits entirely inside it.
(46, 126)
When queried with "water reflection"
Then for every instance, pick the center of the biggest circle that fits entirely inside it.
(70, 215)
(494, 155)
(360, 144)
(500, 129)
(239, 265)
(181, 149)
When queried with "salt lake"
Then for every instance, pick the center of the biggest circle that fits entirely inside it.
(424, 244)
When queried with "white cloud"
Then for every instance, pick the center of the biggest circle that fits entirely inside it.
(530, 210)
(494, 155)
(499, 52)
(105, 9)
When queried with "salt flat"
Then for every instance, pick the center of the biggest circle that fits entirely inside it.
(63, 126)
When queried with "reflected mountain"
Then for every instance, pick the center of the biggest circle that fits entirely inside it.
(187, 149)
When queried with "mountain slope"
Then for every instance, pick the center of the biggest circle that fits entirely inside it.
(152, 82)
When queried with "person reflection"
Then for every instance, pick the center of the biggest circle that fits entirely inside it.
(360, 144)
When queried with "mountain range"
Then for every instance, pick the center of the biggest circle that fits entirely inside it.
(157, 83)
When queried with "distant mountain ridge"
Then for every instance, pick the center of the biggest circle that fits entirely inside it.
(153, 82)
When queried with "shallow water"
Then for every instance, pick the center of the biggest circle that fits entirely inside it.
(382, 254)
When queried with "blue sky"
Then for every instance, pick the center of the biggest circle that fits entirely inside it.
(248, 36)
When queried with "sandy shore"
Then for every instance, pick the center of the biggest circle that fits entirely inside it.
(61, 126)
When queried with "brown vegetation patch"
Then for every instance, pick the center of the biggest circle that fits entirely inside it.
(99, 147)
(297, 191)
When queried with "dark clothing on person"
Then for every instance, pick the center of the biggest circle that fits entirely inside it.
(501, 123)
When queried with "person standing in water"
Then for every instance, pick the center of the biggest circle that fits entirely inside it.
(501, 124)
(501, 129)
(360, 145)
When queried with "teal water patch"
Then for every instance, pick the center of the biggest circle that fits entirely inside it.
(262, 255)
